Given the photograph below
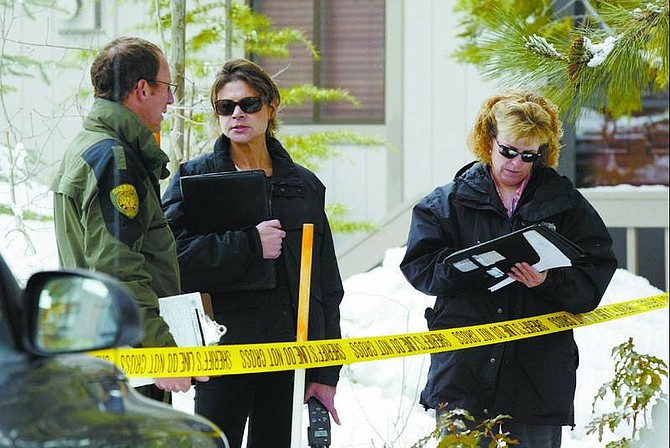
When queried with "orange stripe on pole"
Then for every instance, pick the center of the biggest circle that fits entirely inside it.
(305, 279)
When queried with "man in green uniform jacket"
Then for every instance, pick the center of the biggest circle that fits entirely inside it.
(107, 208)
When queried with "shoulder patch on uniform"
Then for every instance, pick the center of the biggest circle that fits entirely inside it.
(125, 199)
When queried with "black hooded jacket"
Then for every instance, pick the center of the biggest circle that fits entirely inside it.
(533, 379)
(210, 263)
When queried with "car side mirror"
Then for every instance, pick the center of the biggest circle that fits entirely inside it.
(72, 311)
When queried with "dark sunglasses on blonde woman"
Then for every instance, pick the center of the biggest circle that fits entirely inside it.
(510, 153)
(249, 105)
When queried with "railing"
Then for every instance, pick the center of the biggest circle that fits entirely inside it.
(626, 207)
(633, 208)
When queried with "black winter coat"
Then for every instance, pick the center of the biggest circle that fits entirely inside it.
(533, 379)
(209, 263)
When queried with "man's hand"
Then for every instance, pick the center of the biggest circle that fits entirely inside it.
(182, 384)
(326, 395)
(528, 275)
(271, 236)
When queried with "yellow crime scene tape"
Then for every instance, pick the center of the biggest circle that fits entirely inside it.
(252, 358)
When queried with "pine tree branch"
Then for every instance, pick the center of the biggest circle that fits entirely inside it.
(618, 55)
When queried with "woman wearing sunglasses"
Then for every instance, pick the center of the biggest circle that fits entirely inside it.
(513, 184)
(244, 103)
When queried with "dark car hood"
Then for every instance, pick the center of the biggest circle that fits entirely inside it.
(79, 400)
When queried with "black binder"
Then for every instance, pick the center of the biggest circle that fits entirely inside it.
(490, 261)
(227, 201)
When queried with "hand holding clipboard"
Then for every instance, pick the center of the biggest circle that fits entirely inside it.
(538, 245)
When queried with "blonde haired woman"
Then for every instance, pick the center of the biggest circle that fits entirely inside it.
(511, 185)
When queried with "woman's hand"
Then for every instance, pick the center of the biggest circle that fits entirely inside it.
(271, 238)
(326, 395)
(526, 274)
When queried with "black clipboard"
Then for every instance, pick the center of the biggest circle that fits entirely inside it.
(228, 201)
(490, 261)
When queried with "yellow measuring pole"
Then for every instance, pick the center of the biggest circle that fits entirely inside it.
(305, 279)
(301, 333)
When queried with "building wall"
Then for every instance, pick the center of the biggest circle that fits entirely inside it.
(431, 104)
(441, 97)
(45, 109)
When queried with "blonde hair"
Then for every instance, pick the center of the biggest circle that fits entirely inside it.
(522, 115)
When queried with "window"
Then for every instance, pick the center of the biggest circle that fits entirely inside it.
(630, 150)
(349, 35)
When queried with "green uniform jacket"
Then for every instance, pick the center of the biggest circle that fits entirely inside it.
(108, 214)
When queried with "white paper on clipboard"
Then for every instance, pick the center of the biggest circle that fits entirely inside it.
(189, 325)
(550, 257)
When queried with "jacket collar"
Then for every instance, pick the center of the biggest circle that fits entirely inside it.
(477, 177)
(283, 166)
(120, 123)
(551, 192)
(475, 183)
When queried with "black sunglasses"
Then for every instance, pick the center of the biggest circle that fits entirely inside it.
(249, 105)
(510, 153)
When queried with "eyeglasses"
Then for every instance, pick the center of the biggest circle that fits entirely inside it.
(510, 153)
(172, 88)
(249, 105)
